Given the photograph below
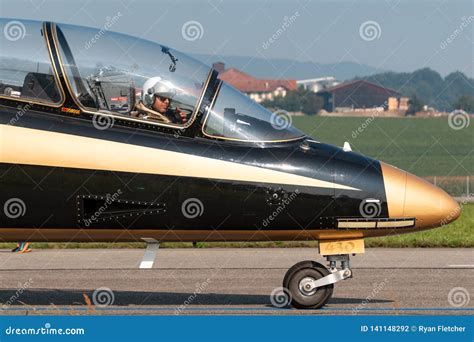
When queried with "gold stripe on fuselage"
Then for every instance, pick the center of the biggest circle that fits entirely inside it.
(21, 145)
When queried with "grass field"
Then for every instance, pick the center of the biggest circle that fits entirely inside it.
(422, 146)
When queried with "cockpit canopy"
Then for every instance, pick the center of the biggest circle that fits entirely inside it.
(108, 72)
(25, 66)
(131, 78)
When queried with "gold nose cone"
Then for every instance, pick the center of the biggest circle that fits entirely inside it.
(410, 196)
(431, 206)
(395, 181)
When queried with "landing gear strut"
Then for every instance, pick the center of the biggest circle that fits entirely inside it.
(310, 284)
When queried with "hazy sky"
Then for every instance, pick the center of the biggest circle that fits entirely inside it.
(399, 35)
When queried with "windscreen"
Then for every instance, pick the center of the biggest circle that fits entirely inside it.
(235, 116)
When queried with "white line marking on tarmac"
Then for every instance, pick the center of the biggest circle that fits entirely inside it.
(461, 265)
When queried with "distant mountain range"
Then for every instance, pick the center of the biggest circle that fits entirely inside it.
(290, 69)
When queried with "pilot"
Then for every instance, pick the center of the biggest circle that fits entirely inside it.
(157, 96)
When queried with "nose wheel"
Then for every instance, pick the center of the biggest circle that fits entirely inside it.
(311, 285)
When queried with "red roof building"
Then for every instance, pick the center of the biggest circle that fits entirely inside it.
(257, 89)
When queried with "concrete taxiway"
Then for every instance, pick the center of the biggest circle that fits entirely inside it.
(229, 281)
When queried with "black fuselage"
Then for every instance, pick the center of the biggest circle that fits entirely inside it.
(61, 197)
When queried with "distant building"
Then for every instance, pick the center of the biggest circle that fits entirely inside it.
(400, 104)
(360, 94)
(317, 84)
(257, 89)
(403, 103)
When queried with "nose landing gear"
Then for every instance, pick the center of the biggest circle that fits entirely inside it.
(311, 285)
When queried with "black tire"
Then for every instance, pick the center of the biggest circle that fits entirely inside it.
(302, 270)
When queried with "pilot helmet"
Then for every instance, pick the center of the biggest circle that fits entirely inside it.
(157, 86)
